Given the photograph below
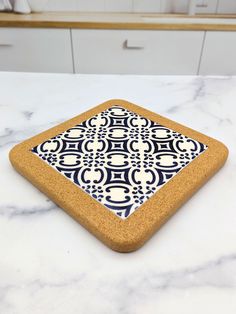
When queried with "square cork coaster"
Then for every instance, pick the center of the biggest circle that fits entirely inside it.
(119, 169)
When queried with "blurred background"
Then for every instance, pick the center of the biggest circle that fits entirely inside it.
(160, 37)
(164, 6)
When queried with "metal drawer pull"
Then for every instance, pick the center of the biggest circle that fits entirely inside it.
(5, 44)
(133, 44)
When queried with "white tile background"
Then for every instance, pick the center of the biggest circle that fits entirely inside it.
(174, 6)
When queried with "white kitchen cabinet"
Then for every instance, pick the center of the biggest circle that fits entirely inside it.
(35, 50)
(219, 54)
(137, 51)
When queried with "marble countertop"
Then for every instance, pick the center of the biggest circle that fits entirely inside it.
(50, 264)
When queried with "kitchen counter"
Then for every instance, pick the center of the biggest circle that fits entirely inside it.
(120, 21)
(50, 264)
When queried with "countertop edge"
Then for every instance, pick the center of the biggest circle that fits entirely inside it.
(72, 21)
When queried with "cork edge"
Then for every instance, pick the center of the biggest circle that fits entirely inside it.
(120, 235)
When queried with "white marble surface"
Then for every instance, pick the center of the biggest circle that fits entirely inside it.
(50, 264)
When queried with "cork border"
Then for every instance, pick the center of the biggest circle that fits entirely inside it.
(129, 234)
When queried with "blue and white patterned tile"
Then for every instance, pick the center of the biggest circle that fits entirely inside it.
(119, 157)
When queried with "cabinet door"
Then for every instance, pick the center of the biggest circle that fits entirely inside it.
(219, 54)
(35, 50)
(137, 51)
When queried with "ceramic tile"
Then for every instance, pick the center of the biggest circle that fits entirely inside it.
(119, 157)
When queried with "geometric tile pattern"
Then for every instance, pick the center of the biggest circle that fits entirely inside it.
(119, 157)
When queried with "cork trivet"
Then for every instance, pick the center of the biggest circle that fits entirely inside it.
(120, 170)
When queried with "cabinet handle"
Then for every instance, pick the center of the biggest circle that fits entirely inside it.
(6, 44)
(133, 44)
(201, 5)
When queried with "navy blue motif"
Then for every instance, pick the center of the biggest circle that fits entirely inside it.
(119, 158)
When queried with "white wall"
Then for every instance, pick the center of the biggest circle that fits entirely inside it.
(202, 6)
(213, 6)
(227, 6)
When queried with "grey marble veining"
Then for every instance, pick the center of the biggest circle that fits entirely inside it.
(49, 263)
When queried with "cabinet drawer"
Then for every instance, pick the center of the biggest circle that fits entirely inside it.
(137, 52)
(219, 54)
(35, 50)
